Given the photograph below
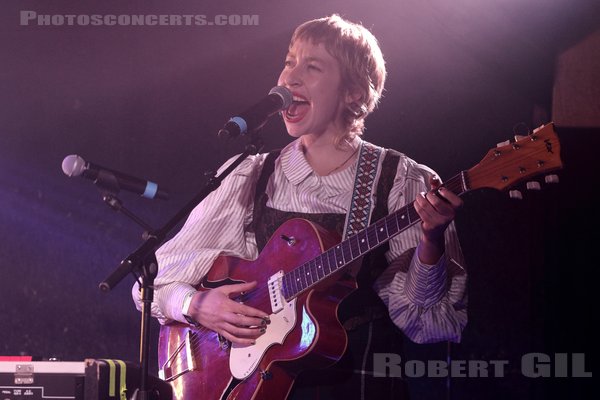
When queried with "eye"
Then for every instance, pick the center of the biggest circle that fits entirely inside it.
(313, 67)
(288, 63)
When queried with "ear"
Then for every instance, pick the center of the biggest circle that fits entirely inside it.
(353, 95)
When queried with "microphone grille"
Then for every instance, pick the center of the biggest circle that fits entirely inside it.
(73, 165)
(285, 95)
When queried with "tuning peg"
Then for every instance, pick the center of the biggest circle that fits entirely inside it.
(533, 185)
(505, 143)
(519, 137)
(551, 178)
(515, 194)
(538, 128)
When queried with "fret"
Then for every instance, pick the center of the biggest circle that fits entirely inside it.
(298, 280)
(285, 285)
(331, 261)
(354, 246)
(372, 236)
(346, 250)
(402, 218)
(312, 266)
(339, 257)
(392, 225)
(382, 234)
(362, 241)
(320, 267)
(411, 213)
(304, 276)
(292, 290)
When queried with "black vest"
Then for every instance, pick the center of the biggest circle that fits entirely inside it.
(364, 301)
(364, 315)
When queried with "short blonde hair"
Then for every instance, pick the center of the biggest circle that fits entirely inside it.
(361, 63)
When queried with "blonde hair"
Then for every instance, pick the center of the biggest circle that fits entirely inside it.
(361, 63)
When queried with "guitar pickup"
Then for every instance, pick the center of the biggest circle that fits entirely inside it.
(275, 296)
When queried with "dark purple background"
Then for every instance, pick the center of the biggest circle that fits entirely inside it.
(463, 75)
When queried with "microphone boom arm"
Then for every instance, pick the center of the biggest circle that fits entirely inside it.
(156, 238)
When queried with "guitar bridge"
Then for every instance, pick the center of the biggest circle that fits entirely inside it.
(182, 360)
(275, 296)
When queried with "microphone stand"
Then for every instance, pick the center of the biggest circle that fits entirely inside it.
(142, 262)
(116, 204)
(109, 187)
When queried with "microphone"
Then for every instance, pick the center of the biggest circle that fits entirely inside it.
(255, 117)
(74, 165)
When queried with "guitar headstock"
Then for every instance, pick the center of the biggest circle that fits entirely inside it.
(513, 163)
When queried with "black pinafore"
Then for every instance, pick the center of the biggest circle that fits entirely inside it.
(362, 313)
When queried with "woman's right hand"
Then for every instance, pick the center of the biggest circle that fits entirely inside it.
(236, 322)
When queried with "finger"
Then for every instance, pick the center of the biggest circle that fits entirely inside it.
(435, 181)
(439, 204)
(238, 288)
(248, 311)
(237, 340)
(433, 204)
(449, 197)
(242, 332)
(424, 208)
(422, 200)
(244, 320)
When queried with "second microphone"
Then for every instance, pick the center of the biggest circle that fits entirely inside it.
(74, 165)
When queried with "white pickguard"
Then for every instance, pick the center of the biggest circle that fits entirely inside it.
(243, 360)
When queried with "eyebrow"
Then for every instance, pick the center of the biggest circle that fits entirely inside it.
(309, 59)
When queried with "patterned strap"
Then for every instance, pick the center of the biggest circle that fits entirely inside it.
(361, 204)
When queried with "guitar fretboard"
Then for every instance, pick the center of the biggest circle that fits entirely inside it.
(329, 262)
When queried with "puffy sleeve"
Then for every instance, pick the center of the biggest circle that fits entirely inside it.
(215, 227)
(428, 302)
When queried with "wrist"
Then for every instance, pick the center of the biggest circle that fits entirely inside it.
(186, 309)
(429, 251)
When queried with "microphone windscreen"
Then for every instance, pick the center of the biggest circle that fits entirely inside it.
(73, 165)
(285, 95)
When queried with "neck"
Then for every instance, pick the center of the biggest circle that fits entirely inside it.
(325, 156)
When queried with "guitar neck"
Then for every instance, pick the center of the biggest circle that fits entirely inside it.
(507, 164)
(343, 254)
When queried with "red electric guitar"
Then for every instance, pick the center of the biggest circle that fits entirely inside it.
(301, 283)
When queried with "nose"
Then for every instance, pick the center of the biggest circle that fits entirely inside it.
(291, 77)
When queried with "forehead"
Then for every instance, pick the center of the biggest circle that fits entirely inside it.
(310, 50)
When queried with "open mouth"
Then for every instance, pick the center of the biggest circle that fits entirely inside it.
(298, 110)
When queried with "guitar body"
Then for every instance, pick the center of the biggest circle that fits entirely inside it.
(199, 365)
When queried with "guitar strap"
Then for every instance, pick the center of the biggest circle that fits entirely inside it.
(361, 203)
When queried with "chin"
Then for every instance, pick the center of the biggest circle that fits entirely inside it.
(293, 131)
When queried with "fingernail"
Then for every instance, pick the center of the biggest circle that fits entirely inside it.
(264, 322)
(263, 330)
